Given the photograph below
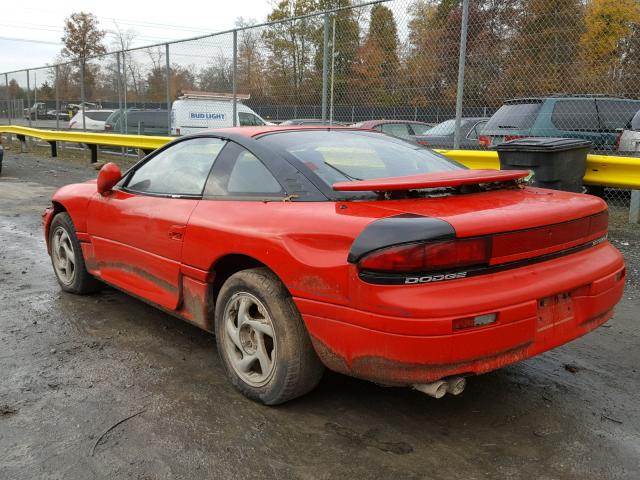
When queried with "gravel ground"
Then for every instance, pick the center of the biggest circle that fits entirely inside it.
(72, 368)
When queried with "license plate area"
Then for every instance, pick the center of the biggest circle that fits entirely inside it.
(554, 310)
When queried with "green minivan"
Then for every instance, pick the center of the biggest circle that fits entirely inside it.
(595, 118)
(138, 122)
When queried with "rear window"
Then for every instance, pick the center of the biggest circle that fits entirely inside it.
(515, 116)
(575, 115)
(99, 116)
(616, 114)
(337, 156)
(113, 118)
(444, 128)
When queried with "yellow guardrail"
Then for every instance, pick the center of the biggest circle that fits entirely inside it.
(610, 171)
(144, 142)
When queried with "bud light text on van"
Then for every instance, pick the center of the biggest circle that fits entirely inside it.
(207, 116)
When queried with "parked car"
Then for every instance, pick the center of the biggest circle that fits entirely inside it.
(594, 118)
(94, 120)
(305, 248)
(138, 121)
(194, 112)
(441, 136)
(398, 128)
(37, 110)
(629, 139)
(310, 121)
(57, 114)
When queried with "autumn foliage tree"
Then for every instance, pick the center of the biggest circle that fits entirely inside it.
(83, 39)
(377, 64)
(610, 45)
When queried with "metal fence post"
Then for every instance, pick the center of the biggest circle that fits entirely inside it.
(333, 61)
(634, 208)
(325, 66)
(28, 99)
(168, 82)
(119, 88)
(234, 78)
(461, 64)
(6, 82)
(58, 98)
(124, 91)
(82, 93)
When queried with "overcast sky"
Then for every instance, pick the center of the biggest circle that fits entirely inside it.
(41, 22)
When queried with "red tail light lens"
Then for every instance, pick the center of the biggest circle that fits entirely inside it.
(484, 140)
(426, 257)
(513, 137)
(616, 144)
(423, 142)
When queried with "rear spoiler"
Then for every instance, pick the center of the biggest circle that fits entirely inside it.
(431, 180)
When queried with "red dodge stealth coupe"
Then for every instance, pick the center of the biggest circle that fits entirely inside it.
(310, 247)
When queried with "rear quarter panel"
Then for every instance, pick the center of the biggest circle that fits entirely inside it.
(305, 243)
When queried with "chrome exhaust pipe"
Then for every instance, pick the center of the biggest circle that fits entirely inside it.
(436, 389)
(456, 385)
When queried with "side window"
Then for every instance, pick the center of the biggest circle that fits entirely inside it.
(181, 169)
(616, 114)
(419, 128)
(248, 119)
(396, 129)
(240, 173)
(576, 115)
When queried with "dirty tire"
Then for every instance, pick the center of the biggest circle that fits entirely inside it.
(80, 281)
(295, 367)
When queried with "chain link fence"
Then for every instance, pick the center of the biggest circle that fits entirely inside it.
(508, 69)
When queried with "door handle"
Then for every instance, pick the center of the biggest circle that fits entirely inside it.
(176, 232)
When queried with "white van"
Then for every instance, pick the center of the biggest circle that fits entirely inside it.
(193, 112)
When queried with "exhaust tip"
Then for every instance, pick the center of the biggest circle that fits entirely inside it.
(435, 389)
(456, 385)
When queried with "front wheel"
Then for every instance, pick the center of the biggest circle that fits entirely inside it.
(261, 339)
(66, 257)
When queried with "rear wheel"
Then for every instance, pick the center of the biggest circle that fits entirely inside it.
(262, 340)
(66, 257)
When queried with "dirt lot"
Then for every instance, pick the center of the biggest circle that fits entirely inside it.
(73, 367)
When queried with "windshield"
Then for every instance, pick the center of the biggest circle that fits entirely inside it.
(514, 115)
(635, 122)
(343, 155)
(444, 128)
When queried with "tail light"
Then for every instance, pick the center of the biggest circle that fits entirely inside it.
(616, 144)
(429, 257)
(508, 138)
(484, 140)
(108, 127)
(423, 142)
(177, 131)
(487, 251)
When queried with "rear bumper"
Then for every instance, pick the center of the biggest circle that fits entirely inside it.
(417, 348)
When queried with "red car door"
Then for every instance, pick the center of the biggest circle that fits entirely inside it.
(137, 231)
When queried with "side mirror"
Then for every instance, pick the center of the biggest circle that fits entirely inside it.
(108, 176)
